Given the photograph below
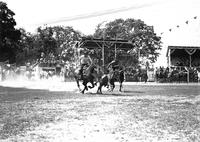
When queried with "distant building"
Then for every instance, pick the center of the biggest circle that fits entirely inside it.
(183, 56)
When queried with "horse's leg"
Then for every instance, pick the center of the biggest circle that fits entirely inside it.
(99, 89)
(93, 85)
(109, 85)
(112, 85)
(85, 88)
(121, 80)
(77, 82)
(102, 82)
(120, 86)
(85, 84)
(92, 82)
(95, 79)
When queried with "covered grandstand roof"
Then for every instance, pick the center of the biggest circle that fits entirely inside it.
(181, 47)
(92, 43)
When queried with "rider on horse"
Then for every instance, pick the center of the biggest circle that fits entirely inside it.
(112, 66)
(85, 61)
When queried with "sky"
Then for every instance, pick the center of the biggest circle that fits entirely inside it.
(85, 15)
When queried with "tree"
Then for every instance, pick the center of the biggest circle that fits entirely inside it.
(9, 36)
(66, 38)
(57, 40)
(146, 42)
(28, 50)
(45, 41)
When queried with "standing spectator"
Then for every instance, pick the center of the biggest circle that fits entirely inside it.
(145, 76)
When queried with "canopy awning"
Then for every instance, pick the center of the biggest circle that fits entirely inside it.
(187, 48)
(92, 43)
(183, 56)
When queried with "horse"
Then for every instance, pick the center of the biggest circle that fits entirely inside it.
(108, 80)
(89, 75)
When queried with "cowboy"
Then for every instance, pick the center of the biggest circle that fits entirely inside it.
(112, 66)
(85, 60)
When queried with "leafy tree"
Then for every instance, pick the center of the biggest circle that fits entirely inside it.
(65, 38)
(57, 40)
(146, 42)
(28, 48)
(45, 41)
(9, 36)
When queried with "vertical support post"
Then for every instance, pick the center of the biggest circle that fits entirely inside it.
(103, 57)
(1, 71)
(169, 59)
(188, 75)
(189, 68)
(115, 51)
(1, 42)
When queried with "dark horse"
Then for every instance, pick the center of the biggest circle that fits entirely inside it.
(110, 79)
(89, 75)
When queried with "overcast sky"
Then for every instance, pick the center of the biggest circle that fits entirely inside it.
(162, 14)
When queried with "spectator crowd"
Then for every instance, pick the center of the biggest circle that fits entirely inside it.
(164, 74)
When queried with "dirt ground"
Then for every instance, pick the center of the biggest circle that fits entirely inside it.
(142, 113)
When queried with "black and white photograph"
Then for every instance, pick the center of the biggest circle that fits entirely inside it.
(99, 71)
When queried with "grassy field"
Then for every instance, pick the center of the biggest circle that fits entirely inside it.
(143, 113)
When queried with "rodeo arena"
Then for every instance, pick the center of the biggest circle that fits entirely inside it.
(47, 101)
